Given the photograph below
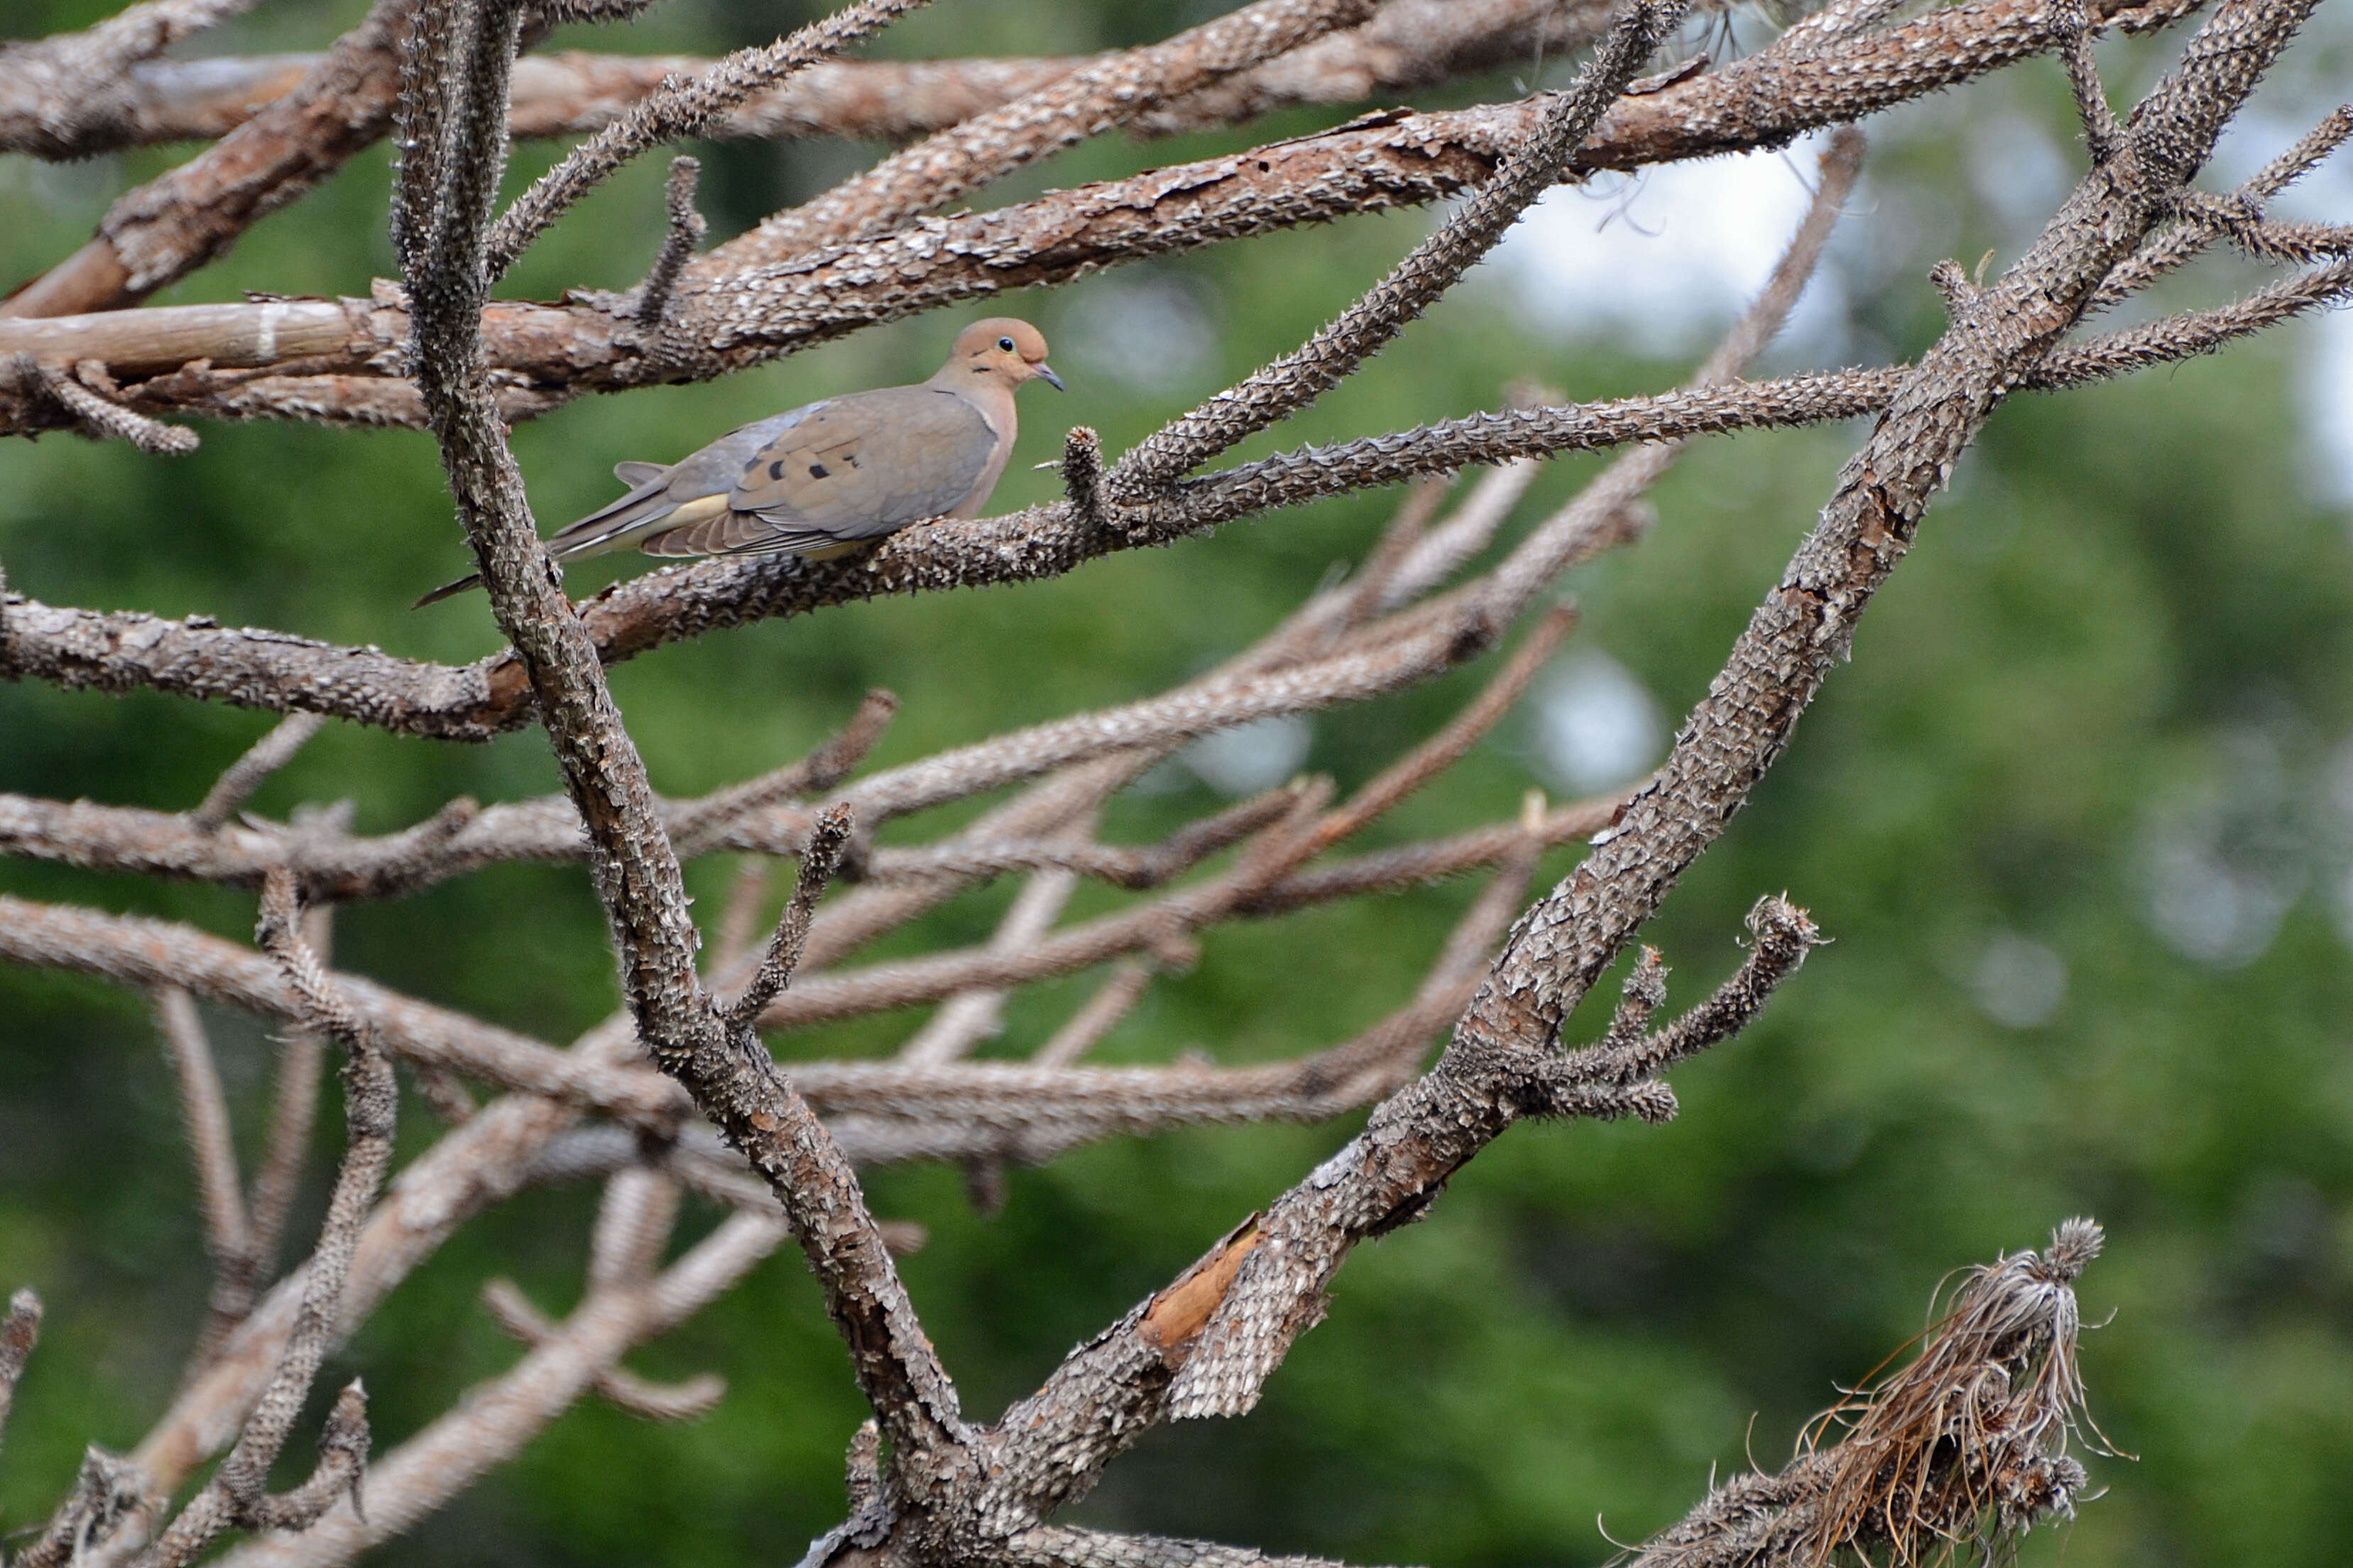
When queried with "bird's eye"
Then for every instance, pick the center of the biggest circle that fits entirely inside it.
(1005, 343)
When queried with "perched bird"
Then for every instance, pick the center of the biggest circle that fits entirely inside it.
(825, 478)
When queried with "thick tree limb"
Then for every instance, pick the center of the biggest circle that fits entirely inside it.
(741, 305)
(271, 670)
(61, 97)
(172, 225)
(1408, 43)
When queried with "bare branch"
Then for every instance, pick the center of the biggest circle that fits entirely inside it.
(269, 669)
(19, 1331)
(820, 861)
(1967, 1444)
(251, 771)
(237, 1493)
(503, 1415)
(686, 229)
(1441, 751)
(1289, 384)
(228, 1234)
(747, 306)
(293, 1106)
(1055, 1546)
(700, 822)
(620, 1387)
(1407, 45)
(57, 93)
(1802, 630)
(679, 109)
(935, 172)
(112, 1498)
(968, 1017)
(94, 414)
(147, 953)
(175, 223)
(458, 115)
(1119, 991)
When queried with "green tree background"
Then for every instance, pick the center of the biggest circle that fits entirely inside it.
(2098, 728)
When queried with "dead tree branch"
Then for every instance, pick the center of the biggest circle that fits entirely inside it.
(59, 95)
(1407, 45)
(172, 225)
(741, 305)
(678, 110)
(236, 1494)
(19, 1331)
(1967, 1445)
(1290, 384)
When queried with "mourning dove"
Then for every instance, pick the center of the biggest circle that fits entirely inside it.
(828, 477)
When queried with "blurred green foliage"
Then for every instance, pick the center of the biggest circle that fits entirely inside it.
(2104, 699)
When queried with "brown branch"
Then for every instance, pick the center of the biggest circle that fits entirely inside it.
(58, 95)
(700, 821)
(1802, 631)
(313, 358)
(147, 953)
(251, 771)
(1609, 510)
(968, 1017)
(1966, 1444)
(673, 112)
(820, 861)
(1051, 1447)
(112, 1497)
(1057, 1546)
(936, 172)
(1425, 762)
(228, 1232)
(1407, 45)
(121, 651)
(457, 1178)
(97, 413)
(294, 1103)
(502, 1415)
(1280, 389)
(456, 111)
(1102, 1012)
(687, 228)
(236, 1494)
(172, 225)
(620, 1387)
(19, 1331)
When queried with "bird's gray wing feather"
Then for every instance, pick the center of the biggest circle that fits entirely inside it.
(864, 466)
(659, 491)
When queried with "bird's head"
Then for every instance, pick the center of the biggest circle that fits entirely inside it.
(1004, 347)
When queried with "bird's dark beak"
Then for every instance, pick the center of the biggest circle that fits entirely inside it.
(1046, 373)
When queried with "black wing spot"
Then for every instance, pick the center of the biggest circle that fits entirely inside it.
(817, 470)
(775, 471)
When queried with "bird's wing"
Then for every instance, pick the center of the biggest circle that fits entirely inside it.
(864, 466)
(658, 490)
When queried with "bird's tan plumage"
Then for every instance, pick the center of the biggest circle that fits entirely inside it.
(830, 476)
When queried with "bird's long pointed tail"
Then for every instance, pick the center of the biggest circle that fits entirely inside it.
(471, 580)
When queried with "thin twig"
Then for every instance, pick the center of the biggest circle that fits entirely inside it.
(682, 107)
(236, 1494)
(251, 771)
(1292, 382)
(820, 861)
(19, 1331)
